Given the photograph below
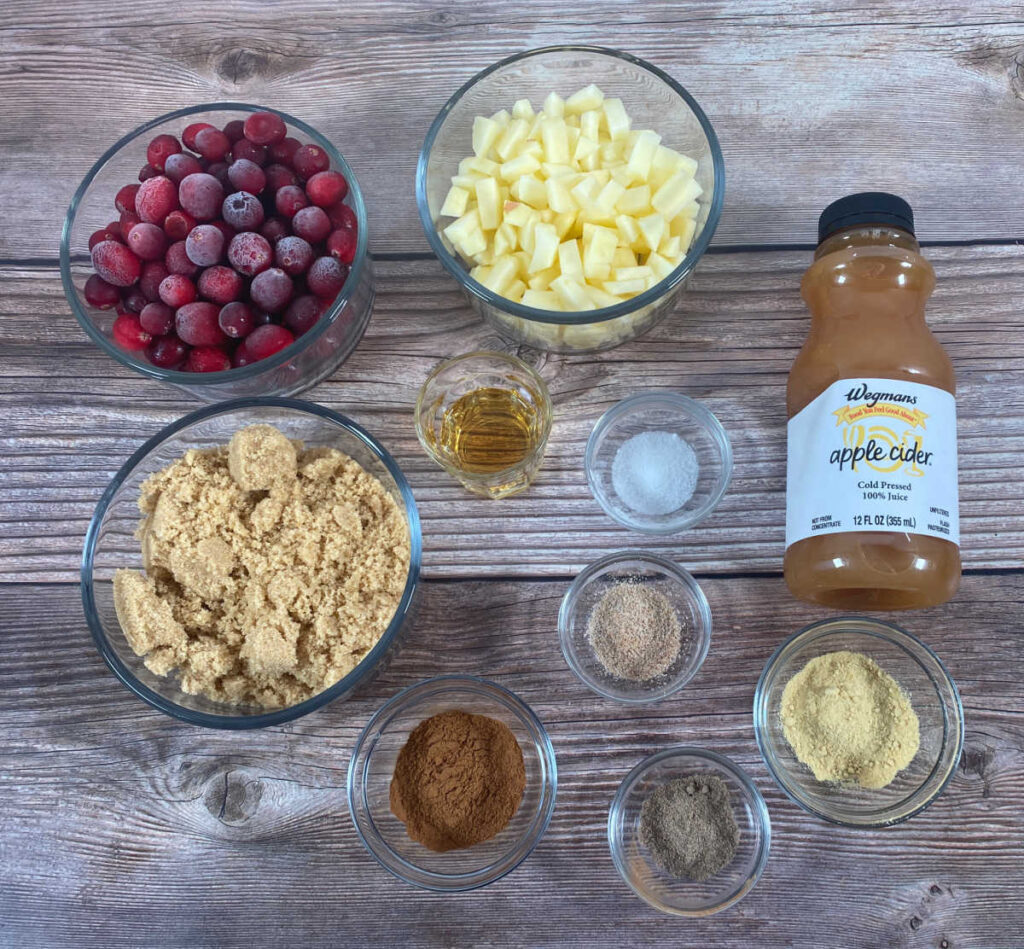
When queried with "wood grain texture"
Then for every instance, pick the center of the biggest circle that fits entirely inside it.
(810, 100)
(71, 422)
(125, 828)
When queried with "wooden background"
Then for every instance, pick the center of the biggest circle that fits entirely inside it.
(120, 827)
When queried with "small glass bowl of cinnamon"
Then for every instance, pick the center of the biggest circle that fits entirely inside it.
(373, 766)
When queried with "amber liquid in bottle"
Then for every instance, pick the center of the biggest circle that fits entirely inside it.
(866, 291)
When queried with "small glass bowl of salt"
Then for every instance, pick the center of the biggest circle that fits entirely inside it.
(658, 462)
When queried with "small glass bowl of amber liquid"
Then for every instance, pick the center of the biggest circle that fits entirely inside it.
(485, 418)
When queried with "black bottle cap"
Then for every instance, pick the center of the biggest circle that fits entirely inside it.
(867, 207)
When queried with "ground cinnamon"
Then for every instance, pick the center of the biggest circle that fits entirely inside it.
(458, 780)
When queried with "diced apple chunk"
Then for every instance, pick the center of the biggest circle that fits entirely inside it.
(589, 97)
(542, 300)
(570, 261)
(455, 203)
(545, 247)
(485, 134)
(488, 201)
(616, 119)
(572, 294)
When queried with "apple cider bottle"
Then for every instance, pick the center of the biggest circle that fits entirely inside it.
(872, 517)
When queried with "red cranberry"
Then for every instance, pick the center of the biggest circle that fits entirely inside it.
(246, 175)
(153, 274)
(293, 255)
(235, 320)
(157, 318)
(146, 172)
(342, 244)
(244, 150)
(125, 200)
(284, 150)
(265, 128)
(234, 130)
(219, 170)
(207, 359)
(326, 188)
(289, 200)
(107, 233)
(178, 167)
(311, 224)
(243, 211)
(147, 241)
(196, 324)
(191, 131)
(167, 352)
(160, 149)
(204, 245)
(100, 294)
(249, 253)
(116, 264)
(126, 223)
(279, 177)
(177, 262)
(274, 228)
(156, 198)
(220, 284)
(201, 195)
(271, 290)
(177, 224)
(326, 276)
(176, 290)
(265, 341)
(301, 314)
(309, 160)
(212, 144)
(133, 300)
(129, 334)
(342, 215)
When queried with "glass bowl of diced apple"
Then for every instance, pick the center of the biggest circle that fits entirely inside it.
(571, 191)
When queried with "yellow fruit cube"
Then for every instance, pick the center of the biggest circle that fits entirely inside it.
(554, 106)
(589, 97)
(522, 164)
(635, 201)
(642, 153)
(598, 252)
(516, 213)
(530, 190)
(485, 134)
(659, 266)
(555, 139)
(652, 227)
(590, 125)
(625, 288)
(629, 230)
(502, 273)
(455, 203)
(488, 202)
(542, 279)
(675, 194)
(559, 199)
(616, 119)
(565, 224)
(522, 109)
(542, 300)
(601, 298)
(570, 261)
(509, 141)
(571, 294)
(633, 273)
(545, 247)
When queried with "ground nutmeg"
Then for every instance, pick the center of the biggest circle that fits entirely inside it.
(459, 780)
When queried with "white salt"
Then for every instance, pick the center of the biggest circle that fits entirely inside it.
(655, 473)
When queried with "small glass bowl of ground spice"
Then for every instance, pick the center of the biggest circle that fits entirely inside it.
(634, 627)
(858, 721)
(658, 462)
(452, 783)
(689, 831)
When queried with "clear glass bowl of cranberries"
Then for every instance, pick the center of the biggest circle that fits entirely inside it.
(223, 249)
(111, 544)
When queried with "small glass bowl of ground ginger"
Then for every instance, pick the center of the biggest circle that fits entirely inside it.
(490, 844)
(858, 721)
(232, 605)
(686, 856)
(634, 627)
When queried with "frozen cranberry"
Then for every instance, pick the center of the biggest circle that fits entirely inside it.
(160, 148)
(146, 172)
(207, 359)
(326, 188)
(220, 284)
(204, 245)
(116, 264)
(219, 170)
(177, 290)
(279, 177)
(196, 324)
(293, 255)
(125, 200)
(271, 290)
(311, 224)
(246, 175)
(264, 341)
(147, 241)
(234, 130)
(342, 244)
(127, 222)
(129, 334)
(177, 262)
(250, 253)
(201, 195)
(156, 198)
(326, 276)
(191, 131)
(177, 224)
(212, 143)
(167, 352)
(309, 160)
(157, 318)
(342, 215)
(179, 167)
(274, 228)
(242, 210)
(244, 150)
(107, 233)
(284, 150)
(152, 276)
(301, 314)
(100, 294)
(265, 128)
(235, 320)
(289, 200)
(133, 300)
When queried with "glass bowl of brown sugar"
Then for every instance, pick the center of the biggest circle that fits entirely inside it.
(377, 763)
(634, 627)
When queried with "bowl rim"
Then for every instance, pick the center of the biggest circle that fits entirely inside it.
(700, 414)
(670, 568)
(192, 379)
(276, 716)
(375, 843)
(952, 713)
(758, 808)
(602, 314)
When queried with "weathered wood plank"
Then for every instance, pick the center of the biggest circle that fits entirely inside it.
(810, 101)
(71, 416)
(119, 822)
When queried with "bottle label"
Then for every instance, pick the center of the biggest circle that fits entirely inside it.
(873, 455)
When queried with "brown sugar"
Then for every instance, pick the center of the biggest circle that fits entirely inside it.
(270, 569)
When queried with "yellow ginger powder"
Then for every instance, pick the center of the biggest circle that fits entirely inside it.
(270, 569)
(848, 720)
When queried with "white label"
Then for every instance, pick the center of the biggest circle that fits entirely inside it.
(873, 455)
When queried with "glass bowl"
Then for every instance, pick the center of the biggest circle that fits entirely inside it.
(669, 412)
(373, 764)
(635, 862)
(653, 100)
(682, 591)
(933, 695)
(311, 358)
(110, 544)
